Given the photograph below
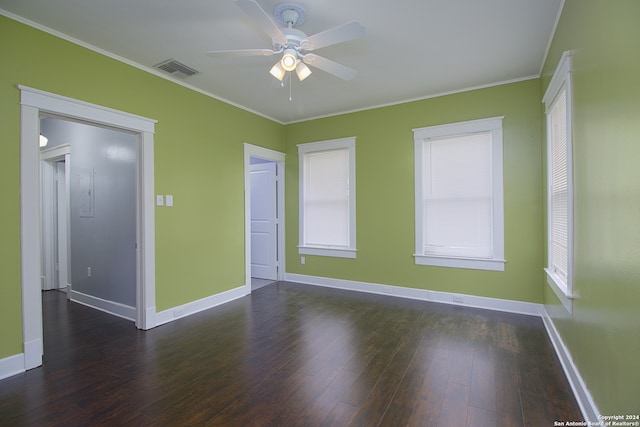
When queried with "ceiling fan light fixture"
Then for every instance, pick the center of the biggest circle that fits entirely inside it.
(289, 59)
(277, 71)
(303, 71)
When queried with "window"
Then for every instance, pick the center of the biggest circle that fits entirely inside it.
(459, 207)
(327, 198)
(557, 101)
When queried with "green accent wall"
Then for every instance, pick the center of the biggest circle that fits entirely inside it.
(385, 193)
(603, 333)
(199, 157)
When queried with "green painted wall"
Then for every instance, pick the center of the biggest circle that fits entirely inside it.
(603, 334)
(385, 193)
(198, 159)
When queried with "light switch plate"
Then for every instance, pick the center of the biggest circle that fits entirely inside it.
(159, 200)
(169, 200)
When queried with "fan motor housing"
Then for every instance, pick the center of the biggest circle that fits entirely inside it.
(294, 37)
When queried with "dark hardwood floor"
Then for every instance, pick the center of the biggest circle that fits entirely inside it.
(293, 355)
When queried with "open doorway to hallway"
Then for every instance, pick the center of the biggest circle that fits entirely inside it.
(88, 214)
(35, 104)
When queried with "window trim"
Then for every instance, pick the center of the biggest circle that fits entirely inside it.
(493, 125)
(348, 143)
(561, 80)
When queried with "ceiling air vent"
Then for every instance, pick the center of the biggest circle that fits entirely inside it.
(176, 68)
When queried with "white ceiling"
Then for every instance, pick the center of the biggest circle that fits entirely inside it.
(412, 49)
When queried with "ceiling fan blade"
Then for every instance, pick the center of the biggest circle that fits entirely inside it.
(241, 52)
(262, 19)
(329, 66)
(342, 33)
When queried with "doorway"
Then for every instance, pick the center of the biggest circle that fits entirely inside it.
(264, 216)
(264, 222)
(54, 173)
(101, 189)
(33, 104)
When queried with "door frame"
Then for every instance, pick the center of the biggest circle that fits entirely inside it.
(277, 157)
(49, 159)
(34, 103)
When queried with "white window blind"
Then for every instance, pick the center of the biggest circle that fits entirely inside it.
(557, 101)
(326, 198)
(558, 186)
(457, 196)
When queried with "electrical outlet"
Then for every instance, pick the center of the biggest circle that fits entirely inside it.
(178, 312)
(88, 271)
(302, 260)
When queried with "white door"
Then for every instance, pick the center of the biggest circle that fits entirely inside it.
(264, 241)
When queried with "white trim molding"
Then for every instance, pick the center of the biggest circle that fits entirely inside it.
(581, 392)
(33, 103)
(509, 306)
(460, 262)
(111, 307)
(73, 108)
(197, 306)
(12, 365)
(556, 286)
(328, 251)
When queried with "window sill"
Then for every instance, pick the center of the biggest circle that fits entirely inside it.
(469, 263)
(330, 252)
(560, 289)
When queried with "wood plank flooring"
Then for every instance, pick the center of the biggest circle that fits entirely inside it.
(293, 355)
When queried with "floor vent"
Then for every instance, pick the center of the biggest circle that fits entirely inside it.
(176, 68)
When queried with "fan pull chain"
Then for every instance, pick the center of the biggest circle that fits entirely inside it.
(290, 97)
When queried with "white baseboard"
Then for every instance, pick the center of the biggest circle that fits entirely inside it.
(33, 351)
(12, 365)
(497, 304)
(149, 320)
(111, 307)
(585, 401)
(193, 307)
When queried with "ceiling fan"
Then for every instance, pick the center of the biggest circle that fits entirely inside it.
(294, 45)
